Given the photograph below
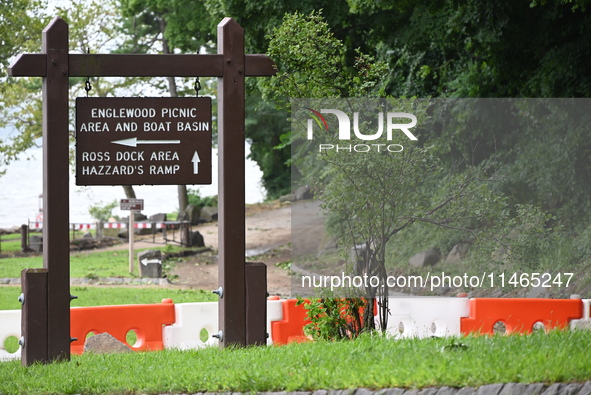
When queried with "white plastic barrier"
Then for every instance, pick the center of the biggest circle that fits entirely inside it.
(423, 317)
(191, 320)
(197, 320)
(585, 321)
(10, 325)
(274, 313)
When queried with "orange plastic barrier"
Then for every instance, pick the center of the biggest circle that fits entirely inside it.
(520, 315)
(145, 319)
(290, 329)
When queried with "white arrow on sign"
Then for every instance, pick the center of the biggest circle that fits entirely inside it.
(146, 261)
(133, 142)
(196, 161)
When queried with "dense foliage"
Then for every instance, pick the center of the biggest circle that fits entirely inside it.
(535, 211)
(362, 48)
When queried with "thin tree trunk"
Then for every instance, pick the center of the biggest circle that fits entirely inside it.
(129, 192)
(182, 189)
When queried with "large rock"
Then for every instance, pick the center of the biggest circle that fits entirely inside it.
(105, 343)
(197, 239)
(208, 214)
(429, 257)
(303, 193)
(160, 217)
(138, 216)
(36, 243)
(150, 263)
(287, 198)
(457, 253)
(191, 214)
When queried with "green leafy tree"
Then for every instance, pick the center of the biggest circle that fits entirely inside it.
(162, 27)
(102, 212)
(20, 110)
(371, 196)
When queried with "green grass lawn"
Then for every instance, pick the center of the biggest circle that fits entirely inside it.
(82, 264)
(10, 245)
(105, 295)
(369, 362)
(12, 242)
(90, 264)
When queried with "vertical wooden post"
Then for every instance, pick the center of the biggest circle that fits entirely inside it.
(131, 239)
(231, 221)
(34, 317)
(24, 238)
(256, 304)
(56, 245)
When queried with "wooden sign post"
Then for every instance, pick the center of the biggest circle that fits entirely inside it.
(46, 309)
(133, 205)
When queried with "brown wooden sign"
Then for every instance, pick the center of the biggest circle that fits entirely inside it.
(242, 309)
(135, 141)
(131, 204)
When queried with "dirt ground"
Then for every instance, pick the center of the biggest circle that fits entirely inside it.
(268, 238)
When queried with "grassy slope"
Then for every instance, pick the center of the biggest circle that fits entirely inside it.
(371, 362)
(100, 296)
(82, 264)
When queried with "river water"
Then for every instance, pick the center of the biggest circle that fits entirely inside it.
(22, 184)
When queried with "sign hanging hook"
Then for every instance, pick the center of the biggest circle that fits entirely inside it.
(87, 85)
(197, 86)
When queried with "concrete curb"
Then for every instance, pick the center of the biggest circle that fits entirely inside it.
(490, 389)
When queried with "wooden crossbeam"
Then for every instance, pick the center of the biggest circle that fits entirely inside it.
(141, 65)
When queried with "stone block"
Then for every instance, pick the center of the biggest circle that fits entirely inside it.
(466, 391)
(534, 389)
(391, 391)
(491, 389)
(197, 239)
(457, 253)
(429, 257)
(429, 391)
(208, 214)
(150, 263)
(554, 389)
(513, 389)
(287, 198)
(160, 217)
(36, 243)
(105, 343)
(303, 193)
(447, 391)
(571, 389)
(586, 390)
(191, 214)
